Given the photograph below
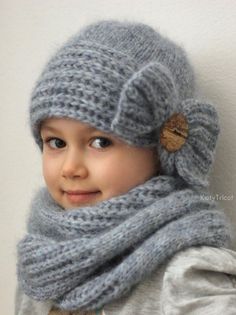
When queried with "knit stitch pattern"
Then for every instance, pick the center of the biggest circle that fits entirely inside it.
(125, 78)
(85, 77)
(87, 257)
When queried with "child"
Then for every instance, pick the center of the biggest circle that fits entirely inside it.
(125, 224)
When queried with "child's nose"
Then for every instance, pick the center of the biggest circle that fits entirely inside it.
(74, 165)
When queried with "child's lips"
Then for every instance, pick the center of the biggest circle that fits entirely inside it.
(79, 196)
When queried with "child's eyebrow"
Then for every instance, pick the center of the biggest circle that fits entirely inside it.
(52, 128)
(48, 128)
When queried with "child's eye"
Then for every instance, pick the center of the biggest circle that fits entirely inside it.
(101, 143)
(55, 143)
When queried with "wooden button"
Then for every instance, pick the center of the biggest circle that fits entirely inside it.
(59, 312)
(174, 132)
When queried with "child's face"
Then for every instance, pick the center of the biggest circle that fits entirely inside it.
(83, 166)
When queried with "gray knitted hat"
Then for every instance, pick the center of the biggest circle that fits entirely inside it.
(127, 79)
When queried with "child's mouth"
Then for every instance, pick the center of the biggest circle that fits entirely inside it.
(75, 197)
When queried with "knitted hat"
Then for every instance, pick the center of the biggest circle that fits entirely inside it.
(127, 79)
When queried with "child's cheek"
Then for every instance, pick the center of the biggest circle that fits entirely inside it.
(50, 167)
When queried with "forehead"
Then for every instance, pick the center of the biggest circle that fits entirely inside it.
(62, 123)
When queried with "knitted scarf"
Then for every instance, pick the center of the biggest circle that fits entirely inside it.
(86, 257)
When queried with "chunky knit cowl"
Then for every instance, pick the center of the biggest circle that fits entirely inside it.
(86, 257)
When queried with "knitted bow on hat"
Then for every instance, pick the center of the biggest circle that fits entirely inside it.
(150, 112)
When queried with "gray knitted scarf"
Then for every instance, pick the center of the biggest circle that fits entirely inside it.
(84, 258)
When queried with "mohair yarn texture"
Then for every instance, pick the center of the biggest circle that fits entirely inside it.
(85, 258)
(125, 78)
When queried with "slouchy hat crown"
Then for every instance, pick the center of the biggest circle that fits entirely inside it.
(127, 79)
